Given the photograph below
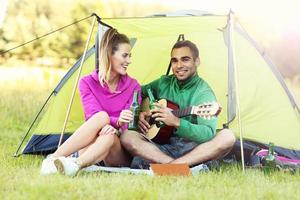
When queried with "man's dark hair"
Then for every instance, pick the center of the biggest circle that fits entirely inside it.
(190, 45)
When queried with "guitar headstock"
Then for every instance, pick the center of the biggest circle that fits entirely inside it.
(207, 110)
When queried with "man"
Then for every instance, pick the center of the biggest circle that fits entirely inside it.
(194, 140)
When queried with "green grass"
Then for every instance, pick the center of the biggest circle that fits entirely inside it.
(20, 178)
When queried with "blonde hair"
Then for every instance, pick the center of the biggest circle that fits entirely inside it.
(108, 46)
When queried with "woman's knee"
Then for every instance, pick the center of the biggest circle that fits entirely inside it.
(100, 119)
(101, 116)
(109, 138)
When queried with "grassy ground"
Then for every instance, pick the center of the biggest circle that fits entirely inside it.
(20, 179)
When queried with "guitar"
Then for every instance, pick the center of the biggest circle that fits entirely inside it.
(162, 135)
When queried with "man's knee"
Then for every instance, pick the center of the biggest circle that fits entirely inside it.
(225, 140)
(130, 140)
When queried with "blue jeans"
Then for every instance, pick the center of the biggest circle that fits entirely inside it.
(176, 148)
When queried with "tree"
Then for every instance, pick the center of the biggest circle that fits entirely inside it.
(29, 19)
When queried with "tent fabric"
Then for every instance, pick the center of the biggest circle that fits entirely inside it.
(266, 111)
(275, 71)
(43, 144)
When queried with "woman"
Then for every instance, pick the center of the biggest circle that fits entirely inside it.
(106, 95)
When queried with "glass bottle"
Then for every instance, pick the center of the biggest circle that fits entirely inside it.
(152, 106)
(269, 162)
(135, 109)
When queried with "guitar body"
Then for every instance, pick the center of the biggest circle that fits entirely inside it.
(164, 133)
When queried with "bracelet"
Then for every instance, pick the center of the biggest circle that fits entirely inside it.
(118, 133)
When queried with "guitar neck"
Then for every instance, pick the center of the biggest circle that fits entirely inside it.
(183, 112)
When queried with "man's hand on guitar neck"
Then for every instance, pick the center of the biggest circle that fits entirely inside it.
(165, 115)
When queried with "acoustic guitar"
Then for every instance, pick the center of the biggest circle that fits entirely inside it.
(163, 134)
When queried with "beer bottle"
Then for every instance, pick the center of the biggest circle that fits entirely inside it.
(152, 105)
(269, 162)
(135, 109)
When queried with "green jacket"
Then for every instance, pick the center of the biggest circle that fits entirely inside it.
(192, 92)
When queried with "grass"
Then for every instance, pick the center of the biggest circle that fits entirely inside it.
(20, 178)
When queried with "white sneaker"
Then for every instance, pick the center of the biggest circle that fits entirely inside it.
(48, 166)
(67, 166)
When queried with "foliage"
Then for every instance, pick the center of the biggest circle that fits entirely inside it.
(29, 19)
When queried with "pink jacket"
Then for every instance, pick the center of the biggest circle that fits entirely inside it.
(96, 98)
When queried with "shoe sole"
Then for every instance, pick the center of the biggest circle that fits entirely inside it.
(60, 167)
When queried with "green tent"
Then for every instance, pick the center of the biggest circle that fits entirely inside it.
(252, 92)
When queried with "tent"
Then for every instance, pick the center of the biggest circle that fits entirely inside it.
(255, 99)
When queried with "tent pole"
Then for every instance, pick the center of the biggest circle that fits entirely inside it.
(76, 82)
(237, 89)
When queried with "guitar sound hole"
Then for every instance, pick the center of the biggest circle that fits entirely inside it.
(151, 121)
